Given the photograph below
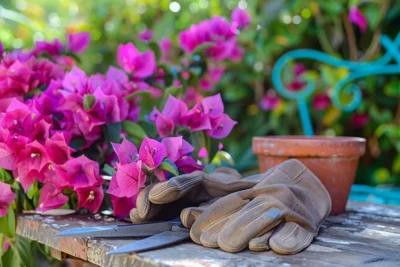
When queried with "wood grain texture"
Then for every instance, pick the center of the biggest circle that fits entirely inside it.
(366, 235)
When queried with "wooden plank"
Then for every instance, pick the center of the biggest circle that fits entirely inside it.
(351, 239)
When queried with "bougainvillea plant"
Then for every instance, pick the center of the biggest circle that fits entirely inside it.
(68, 139)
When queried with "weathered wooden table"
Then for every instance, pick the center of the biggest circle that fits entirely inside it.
(366, 234)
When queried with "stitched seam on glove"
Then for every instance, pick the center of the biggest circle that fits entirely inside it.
(298, 248)
(238, 248)
(255, 218)
(165, 192)
(220, 219)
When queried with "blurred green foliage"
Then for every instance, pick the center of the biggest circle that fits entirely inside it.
(278, 26)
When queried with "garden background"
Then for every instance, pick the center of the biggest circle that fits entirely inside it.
(247, 91)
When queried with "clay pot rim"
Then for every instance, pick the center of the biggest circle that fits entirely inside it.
(309, 146)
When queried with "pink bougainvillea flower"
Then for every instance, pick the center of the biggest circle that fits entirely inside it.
(196, 120)
(130, 178)
(220, 146)
(213, 105)
(357, 18)
(57, 149)
(6, 198)
(6, 245)
(76, 81)
(270, 101)
(299, 69)
(78, 42)
(187, 164)
(65, 61)
(8, 159)
(108, 108)
(221, 126)
(152, 153)
(174, 109)
(140, 65)
(126, 151)
(296, 85)
(14, 79)
(146, 35)
(32, 158)
(240, 18)
(123, 205)
(176, 147)
(237, 53)
(1, 49)
(165, 47)
(203, 153)
(213, 76)
(321, 102)
(52, 48)
(192, 96)
(90, 198)
(80, 172)
(359, 120)
(51, 198)
(165, 125)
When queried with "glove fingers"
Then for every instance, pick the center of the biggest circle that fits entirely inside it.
(134, 216)
(217, 211)
(209, 237)
(255, 219)
(291, 238)
(175, 188)
(261, 243)
(221, 183)
(190, 215)
(145, 209)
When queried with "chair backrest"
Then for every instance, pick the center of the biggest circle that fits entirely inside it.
(345, 86)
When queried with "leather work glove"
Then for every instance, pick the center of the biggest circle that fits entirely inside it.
(166, 200)
(289, 198)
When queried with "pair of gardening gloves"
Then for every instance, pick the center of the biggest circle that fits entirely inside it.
(281, 209)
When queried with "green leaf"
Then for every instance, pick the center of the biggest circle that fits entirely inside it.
(174, 91)
(392, 89)
(200, 49)
(77, 143)
(198, 68)
(156, 49)
(222, 156)
(32, 190)
(113, 132)
(7, 223)
(396, 164)
(73, 55)
(108, 169)
(138, 93)
(11, 258)
(24, 251)
(5, 176)
(88, 101)
(169, 166)
(134, 130)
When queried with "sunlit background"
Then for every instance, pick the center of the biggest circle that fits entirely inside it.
(278, 26)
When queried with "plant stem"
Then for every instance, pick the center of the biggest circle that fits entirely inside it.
(351, 39)
(323, 38)
(374, 46)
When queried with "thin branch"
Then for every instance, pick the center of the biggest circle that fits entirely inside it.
(375, 45)
(323, 38)
(351, 38)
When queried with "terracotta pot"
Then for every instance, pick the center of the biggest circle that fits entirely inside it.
(333, 159)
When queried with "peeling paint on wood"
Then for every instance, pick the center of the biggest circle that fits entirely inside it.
(366, 234)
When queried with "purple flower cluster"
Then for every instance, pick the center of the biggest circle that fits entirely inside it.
(206, 116)
(135, 167)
